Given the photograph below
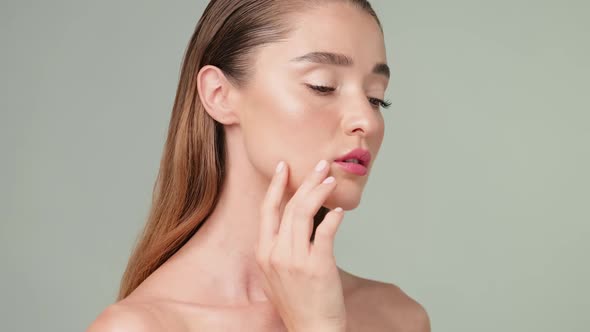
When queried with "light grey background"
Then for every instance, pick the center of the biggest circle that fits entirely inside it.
(477, 206)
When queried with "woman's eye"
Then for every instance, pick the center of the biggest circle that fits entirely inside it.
(378, 102)
(321, 89)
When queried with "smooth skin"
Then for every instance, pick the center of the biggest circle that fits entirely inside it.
(303, 279)
(308, 291)
(221, 280)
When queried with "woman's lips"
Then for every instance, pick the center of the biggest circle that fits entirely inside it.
(353, 168)
(363, 156)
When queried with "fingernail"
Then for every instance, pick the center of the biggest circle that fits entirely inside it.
(329, 180)
(280, 166)
(338, 209)
(321, 165)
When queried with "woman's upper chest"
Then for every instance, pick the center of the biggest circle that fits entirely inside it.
(363, 314)
(203, 318)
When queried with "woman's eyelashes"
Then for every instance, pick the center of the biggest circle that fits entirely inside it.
(378, 102)
(321, 89)
(326, 90)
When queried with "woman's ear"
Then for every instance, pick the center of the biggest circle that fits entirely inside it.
(215, 92)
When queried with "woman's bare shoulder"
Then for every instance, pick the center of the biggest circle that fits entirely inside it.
(384, 306)
(124, 316)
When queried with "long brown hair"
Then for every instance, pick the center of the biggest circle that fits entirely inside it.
(193, 163)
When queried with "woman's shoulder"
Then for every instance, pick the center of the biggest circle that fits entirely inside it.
(126, 316)
(373, 305)
(382, 306)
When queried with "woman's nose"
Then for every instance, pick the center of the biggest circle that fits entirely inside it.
(360, 118)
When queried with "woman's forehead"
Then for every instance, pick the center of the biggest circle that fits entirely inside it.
(341, 29)
(319, 42)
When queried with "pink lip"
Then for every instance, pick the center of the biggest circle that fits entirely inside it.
(362, 155)
(353, 168)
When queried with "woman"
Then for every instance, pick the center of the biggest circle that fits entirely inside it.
(236, 240)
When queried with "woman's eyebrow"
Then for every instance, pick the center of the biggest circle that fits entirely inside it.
(329, 58)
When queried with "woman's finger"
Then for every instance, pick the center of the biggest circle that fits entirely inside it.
(325, 234)
(270, 208)
(295, 209)
(303, 224)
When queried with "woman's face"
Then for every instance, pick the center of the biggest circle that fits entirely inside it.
(283, 118)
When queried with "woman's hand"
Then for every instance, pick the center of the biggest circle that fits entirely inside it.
(303, 281)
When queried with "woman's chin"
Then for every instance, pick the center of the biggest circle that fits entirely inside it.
(346, 199)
